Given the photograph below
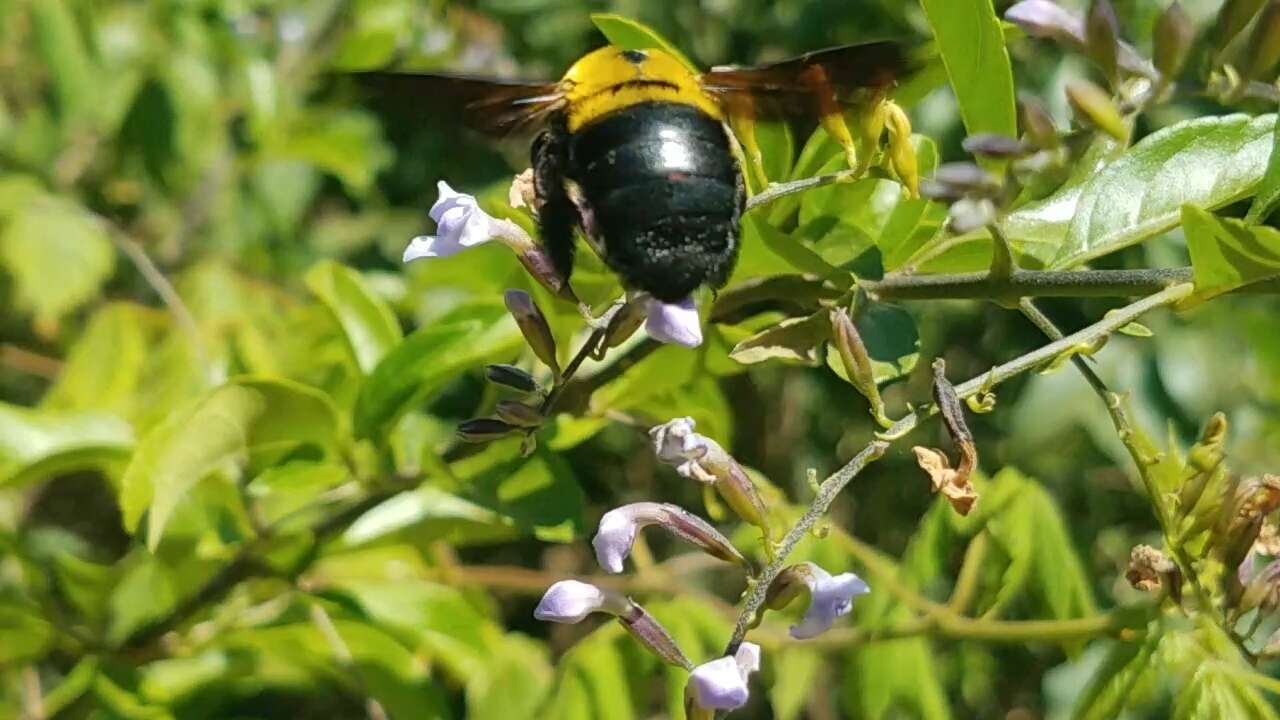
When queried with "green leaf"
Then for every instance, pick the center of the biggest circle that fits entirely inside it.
(971, 43)
(593, 681)
(795, 672)
(373, 33)
(513, 684)
(792, 251)
(105, 364)
(631, 34)
(36, 444)
(1227, 254)
(285, 490)
(73, 686)
(178, 453)
(432, 514)
(55, 238)
(422, 360)
(898, 674)
(797, 339)
(144, 594)
(367, 322)
(1043, 560)
(1269, 190)
(1124, 666)
(1141, 194)
(65, 58)
(346, 144)
(24, 635)
(891, 338)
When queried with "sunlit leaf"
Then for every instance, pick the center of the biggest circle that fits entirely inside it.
(630, 34)
(367, 322)
(797, 339)
(35, 444)
(1227, 254)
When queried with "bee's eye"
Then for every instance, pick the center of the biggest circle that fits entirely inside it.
(634, 56)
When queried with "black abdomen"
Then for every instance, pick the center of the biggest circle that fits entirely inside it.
(663, 194)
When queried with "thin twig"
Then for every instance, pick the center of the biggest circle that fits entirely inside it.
(832, 486)
(342, 654)
(158, 282)
(773, 192)
(29, 361)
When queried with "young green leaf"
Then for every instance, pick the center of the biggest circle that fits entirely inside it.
(367, 323)
(1227, 254)
(971, 42)
(37, 444)
(797, 339)
(1269, 191)
(631, 34)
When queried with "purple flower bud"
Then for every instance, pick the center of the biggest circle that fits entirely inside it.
(1094, 105)
(646, 628)
(512, 377)
(700, 458)
(519, 414)
(722, 683)
(676, 323)
(478, 430)
(993, 145)
(1043, 18)
(618, 529)
(1102, 36)
(1172, 40)
(533, 325)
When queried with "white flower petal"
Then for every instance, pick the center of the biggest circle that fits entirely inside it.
(568, 601)
(719, 685)
(616, 535)
(830, 599)
(748, 658)
(460, 224)
(676, 323)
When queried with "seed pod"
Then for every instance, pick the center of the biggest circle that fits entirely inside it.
(534, 327)
(1173, 36)
(1094, 105)
(512, 377)
(1037, 125)
(479, 430)
(519, 414)
(1264, 45)
(1102, 35)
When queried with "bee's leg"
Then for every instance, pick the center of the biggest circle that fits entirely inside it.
(557, 215)
(742, 120)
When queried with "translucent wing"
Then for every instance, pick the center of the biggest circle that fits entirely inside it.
(492, 106)
(811, 82)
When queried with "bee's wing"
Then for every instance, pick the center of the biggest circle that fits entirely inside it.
(810, 83)
(492, 106)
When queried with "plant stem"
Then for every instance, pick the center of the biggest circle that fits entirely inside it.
(773, 192)
(832, 486)
(1037, 283)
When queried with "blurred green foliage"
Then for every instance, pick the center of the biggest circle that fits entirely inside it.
(229, 482)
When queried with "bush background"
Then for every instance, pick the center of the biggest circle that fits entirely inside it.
(220, 139)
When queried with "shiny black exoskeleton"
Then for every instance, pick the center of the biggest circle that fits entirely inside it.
(654, 186)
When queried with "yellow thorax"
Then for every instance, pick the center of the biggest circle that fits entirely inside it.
(611, 78)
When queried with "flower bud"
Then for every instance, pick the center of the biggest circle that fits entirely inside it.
(698, 457)
(994, 145)
(1263, 51)
(1037, 125)
(1102, 35)
(857, 362)
(646, 628)
(1203, 459)
(1262, 591)
(625, 321)
(902, 154)
(1046, 19)
(1094, 105)
(533, 325)
(538, 264)
(722, 683)
(961, 179)
(569, 601)
(480, 430)
(969, 214)
(619, 527)
(1174, 34)
(512, 377)
(519, 414)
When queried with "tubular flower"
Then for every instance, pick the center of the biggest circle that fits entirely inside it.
(700, 458)
(722, 683)
(676, 323)
(830, 597)
(618, 529)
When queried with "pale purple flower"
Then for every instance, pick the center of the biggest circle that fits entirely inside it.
(722, 683)
(619, 527)
(568, 601)
(676, 322)
(676, 443)
(1042, 18)
(830, 597)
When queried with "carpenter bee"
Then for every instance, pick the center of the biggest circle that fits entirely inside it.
(638, 150)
